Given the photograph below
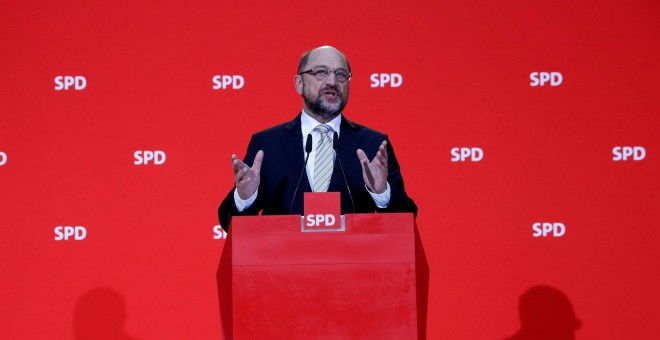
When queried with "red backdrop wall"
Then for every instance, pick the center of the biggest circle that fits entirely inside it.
(579, 152)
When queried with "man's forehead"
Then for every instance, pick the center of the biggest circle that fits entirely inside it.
(327, 56)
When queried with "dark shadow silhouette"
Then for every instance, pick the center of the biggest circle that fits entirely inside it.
(545, 314)
(100, 314)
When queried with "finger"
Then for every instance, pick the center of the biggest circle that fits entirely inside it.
(240, 176)
(366, 172)
(362, 156)
(384, 162)
(379, 161)
(258, 159)
(380, 158)
(237, 164)
(243, 182)
(243, 172)
(383, 148)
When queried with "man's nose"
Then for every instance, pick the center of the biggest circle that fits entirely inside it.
(332, 78)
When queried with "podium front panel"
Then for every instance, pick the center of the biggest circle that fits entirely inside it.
(287, 284)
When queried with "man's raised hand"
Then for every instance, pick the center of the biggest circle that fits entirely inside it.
(375, 172)
(247, 178)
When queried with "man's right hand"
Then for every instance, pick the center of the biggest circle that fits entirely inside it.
(247, 178)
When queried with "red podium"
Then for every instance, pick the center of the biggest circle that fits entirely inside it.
(368, 281)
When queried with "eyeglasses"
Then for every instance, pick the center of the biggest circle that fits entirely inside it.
(322, 73)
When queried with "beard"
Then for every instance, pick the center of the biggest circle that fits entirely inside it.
(321, 107)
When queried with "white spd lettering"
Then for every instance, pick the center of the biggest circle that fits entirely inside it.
(385, 79)
(64, 233)
(623, 153)
(219, 233)
(3, 158)
(462, 154)
(545, 229)
(542, 78)
(316, 220)
(223, 82)
(144, 157)
(66, 82)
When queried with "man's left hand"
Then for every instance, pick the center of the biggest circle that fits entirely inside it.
(375, 172)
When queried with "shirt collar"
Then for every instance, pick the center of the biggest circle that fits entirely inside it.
(307, 123)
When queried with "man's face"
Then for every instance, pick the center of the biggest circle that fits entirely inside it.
(324, 98)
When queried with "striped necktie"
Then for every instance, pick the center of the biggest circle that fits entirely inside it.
(324, 159)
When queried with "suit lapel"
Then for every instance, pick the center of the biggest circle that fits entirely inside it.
(293, 148)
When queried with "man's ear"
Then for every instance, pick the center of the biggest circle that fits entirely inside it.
(298, 82)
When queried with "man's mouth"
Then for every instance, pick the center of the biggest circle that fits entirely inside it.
(330, 94)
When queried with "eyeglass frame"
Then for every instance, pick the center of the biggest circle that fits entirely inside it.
(315, 69)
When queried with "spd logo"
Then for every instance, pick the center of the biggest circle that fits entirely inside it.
(322, 212)
(225, 82)
(624, 153)
(546, 229)
(543, 78)
(144, 157)
(3, 158)
(461, 154)
(219, 233)
(78, 83)
(320, 220)
(386, 79)
(65, 233)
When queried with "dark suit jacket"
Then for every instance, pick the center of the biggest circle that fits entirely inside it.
(283, 162)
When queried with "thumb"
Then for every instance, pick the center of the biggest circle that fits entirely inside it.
(362, 156)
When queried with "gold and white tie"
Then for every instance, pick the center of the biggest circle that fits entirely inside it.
(324, 159)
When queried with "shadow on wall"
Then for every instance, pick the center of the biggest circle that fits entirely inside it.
(546, 313)
(100, 314)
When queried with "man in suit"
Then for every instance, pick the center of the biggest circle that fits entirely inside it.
(270, 179)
